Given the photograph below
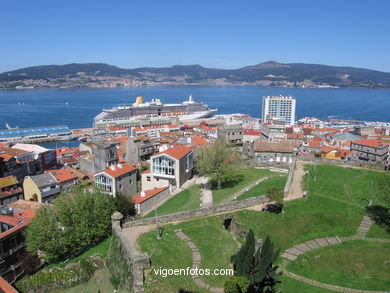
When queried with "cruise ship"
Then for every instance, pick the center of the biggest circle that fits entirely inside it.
(185, 111)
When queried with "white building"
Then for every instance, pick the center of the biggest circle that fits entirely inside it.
(279, 107)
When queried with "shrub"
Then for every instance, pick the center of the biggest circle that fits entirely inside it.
(381, 215)
(236, 284)
(66, 277)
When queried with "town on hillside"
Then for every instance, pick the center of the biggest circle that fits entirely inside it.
(165, 169)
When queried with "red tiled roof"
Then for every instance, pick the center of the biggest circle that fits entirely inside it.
(29, 214)
(14, 152)
(327, 149)
(314, 143)
(18, 222)
(120, 157)
(138, 198)
(119, 170)
(198, 140)
(64, 151)
(6, 287)
(177, 152)
(62, 175)
(146, 171)
(372, 143)
(118, 139)
(251, 132)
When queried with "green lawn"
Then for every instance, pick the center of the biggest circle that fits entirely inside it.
(290, 285)
(261, 188)
(304, 219)
(188, 199)
(351, 186)
(246, 177)
(334, 207)
(354, 264)
(101, 249)
(215, 245)
(377, 231)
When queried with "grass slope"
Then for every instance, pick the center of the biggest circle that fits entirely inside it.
(262, 187)
(245, 177)
(354, 264)
(215, 245)
(101, 249)
(188, 199)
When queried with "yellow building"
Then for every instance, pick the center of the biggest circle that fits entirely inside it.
(330, 153)
(42, 188)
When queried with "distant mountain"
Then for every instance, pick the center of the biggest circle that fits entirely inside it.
(269, 73)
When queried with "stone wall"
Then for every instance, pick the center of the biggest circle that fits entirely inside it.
(130, 265)
(289, 178)
(222, 208)
(238, 231)
(154, 202)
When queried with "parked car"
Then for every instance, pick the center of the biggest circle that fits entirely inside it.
(273, 208)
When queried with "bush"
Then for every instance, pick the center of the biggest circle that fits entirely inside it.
(55, 278)
(275, 194)
(124, 205)
(236, 284)
(381, 216)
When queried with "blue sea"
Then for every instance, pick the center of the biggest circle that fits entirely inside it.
(77, 107)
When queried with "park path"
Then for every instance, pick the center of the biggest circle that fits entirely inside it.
(206, 193)
(296, 184)
(196, 260)
(292, 254)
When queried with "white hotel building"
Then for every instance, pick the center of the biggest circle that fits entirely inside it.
(279, 107)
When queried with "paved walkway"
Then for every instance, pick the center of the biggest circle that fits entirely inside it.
(207, 195)
(196, 260)
(296, 184)
(292, 254)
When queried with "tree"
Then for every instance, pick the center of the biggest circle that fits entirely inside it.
(257, 267)
(215, 161)
(124, 205)
(73, 223)
(275, 194)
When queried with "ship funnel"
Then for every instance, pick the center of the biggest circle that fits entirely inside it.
(139, 100)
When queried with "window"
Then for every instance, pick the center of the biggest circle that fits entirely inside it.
(163, 165)
(189, 162)
(148, 178)
(130, 181)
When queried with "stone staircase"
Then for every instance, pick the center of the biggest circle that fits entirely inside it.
(295, 251)
(365, 225)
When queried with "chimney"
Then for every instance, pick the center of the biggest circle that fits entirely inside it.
(143, 193)
(120, 166)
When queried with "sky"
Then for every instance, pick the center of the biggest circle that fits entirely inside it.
(212, 33)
